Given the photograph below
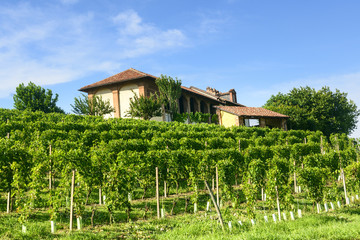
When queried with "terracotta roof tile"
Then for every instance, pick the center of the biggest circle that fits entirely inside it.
(209, 95)
(126, 75)
(251, 111)
(132, 74)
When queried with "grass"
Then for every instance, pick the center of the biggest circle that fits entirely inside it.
(342, 223)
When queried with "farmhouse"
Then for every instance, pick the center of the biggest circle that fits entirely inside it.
(121, 87)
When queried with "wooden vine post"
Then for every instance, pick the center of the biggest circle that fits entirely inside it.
(344, 183)
(165, 186)
(341, 170)
(358, 145)
(72, 199)
(277, 201)
(165, 183)
(321, 145)
(236, 175)
(100, 196)
(9, 193)
(157, 193)
(217, 187)
(8, 202)
(295, 185)
(215, 204)
(50, 171)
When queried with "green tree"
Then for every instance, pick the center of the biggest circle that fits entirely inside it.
(35, 98)
(144, 107)
(91, 106)
(324, 110)
(170, 92)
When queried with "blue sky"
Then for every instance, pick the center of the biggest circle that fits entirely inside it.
(259, 48)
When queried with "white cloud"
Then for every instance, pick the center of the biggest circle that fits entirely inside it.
(130, 23)
(49, 45)
(138, 38)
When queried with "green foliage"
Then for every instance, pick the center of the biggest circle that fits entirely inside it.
(197, 117)
(144, 107)
(278, 180)
(255, 178)
(170, 92)
(35, 98)
(120, 155)
(94, 106)
(324, 110)
(314, 178)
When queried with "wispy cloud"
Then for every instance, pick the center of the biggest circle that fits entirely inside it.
(138, 38)
(50, 46)
(212, 22)
(68, 2)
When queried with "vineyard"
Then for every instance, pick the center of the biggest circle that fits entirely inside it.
(117, 171)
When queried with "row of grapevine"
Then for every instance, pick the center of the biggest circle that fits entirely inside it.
(41, 151)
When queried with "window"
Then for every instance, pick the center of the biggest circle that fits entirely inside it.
(249, 122)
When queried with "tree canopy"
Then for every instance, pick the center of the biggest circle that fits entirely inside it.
(94, 105)
(144, 107)
(324, 110)
(35, 98)
(170, 92)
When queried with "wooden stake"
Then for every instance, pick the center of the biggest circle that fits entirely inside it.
(295, 187)
(278, 202)
(50, 173)
(8, 202)
(215, 204)
(344, 183)
(9, 193)
(100, 196)
(165, 190)
(72, 199)
(217, 187)
(157, 193)
(341, 170)
(239, 145)
(321, 145)
(357, 155)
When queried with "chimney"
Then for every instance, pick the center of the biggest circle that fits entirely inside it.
(212, 91)
(232, 94)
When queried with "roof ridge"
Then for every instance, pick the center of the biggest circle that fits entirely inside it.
(140, 72)
(125, 75)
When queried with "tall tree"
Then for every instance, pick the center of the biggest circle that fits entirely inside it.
(144, 107)
(170, 92)
(324, 110)
(94, 105)
(35, 98)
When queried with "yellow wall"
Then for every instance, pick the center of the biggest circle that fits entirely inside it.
(228, 119)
